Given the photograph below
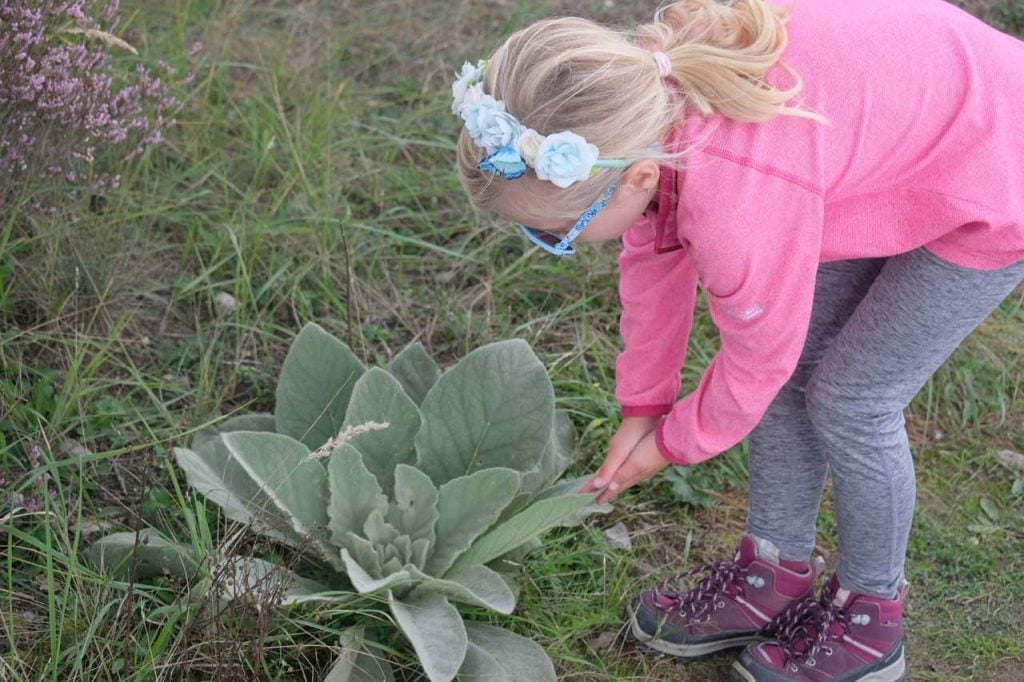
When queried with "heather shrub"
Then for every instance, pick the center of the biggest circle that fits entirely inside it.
(62, 101)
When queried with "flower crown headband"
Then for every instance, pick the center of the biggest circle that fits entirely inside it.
(563, 158)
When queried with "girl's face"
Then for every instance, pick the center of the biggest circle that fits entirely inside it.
(627, 204)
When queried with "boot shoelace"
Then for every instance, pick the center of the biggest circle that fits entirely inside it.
(702, 599)
(804, 628)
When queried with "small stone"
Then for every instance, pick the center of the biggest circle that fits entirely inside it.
(604, 641)
(618, 536)
(72, 448)
(179, 381)
(1014, 461)
(226, 303)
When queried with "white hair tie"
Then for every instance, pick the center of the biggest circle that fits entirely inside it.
(664, 64)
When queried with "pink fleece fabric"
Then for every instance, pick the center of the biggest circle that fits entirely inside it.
(925, 147)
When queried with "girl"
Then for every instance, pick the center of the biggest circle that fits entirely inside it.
(845, 180)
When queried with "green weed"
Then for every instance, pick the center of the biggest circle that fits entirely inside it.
(310, 178)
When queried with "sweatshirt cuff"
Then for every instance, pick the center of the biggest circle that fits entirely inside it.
(646, 410)
(676, 458)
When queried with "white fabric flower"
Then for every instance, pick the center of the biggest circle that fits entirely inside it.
(490, 125)
(473, 96)
(529, 144)
(468, 77)
(565, 158)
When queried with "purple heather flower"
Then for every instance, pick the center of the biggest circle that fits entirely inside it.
(61, 101)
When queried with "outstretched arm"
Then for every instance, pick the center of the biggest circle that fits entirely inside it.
(658, 292)
(760, 287)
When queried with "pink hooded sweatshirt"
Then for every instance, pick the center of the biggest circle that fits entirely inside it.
(925, 148)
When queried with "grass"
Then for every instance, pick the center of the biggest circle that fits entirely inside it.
(311, 179)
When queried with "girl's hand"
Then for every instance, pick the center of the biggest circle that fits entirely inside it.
(632, 432)
(643, 463)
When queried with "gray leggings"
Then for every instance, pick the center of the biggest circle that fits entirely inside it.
(879, 328)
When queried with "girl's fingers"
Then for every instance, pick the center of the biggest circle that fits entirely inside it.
(626, 477)
(630, 434)
(643, 462)
(610, 493)
(616, 456)
(602, 477)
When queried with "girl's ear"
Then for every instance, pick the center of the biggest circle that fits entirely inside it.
(642, 176)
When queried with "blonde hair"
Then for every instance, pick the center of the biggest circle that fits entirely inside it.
(573, 74)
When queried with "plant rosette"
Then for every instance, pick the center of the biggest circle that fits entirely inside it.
(410, 484)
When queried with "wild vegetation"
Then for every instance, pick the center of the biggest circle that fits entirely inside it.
(309, 178)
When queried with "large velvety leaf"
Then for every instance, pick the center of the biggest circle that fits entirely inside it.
(316, 383)
(480, 666)
(354, 493)
(249, 576)
(149, 555)
(556, 458)
(436, 631)
(532, 481)
(570, 488)
(514, 560)
(467, 507)
(213, 472)
(493, 409)
(358, 662)
(474, 585)
(202, 476)
(297, 485)
(521, 527)
(563, 488)
(519, 502)
(281, 467)
(512, 652)
(414, 510)
(378, 397)
(558, 453)
(416, 371)
(242, 422)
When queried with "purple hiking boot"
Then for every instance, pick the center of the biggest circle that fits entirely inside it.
(731, 606)
(842, 637)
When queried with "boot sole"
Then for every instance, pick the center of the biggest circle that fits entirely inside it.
(894, 672)
(697, 650)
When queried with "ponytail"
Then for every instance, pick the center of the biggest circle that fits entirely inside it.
(720, 54)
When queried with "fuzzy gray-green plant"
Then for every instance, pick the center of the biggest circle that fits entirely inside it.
(411, 482)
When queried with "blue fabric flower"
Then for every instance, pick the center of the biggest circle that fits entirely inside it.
(565, 158)
(490, 125)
